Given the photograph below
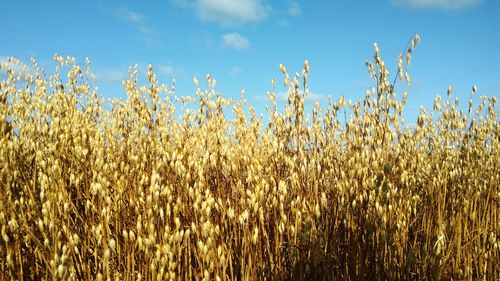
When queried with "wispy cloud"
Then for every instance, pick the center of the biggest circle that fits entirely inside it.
(172, 71)
(310, 99)
(130, 16)
(146, 30)
(294, 9)
(184, 3)
(149, 34)
(437, 4)
(110, 74)
(283, 22)
(235, 71)
(167, 70)
(314, 97)
(235, 41)
(227, 12)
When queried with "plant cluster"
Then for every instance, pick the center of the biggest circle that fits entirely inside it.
(140, 191)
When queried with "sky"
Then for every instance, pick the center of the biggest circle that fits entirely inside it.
(242, 42)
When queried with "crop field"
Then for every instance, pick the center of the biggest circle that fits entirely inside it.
(160, 187)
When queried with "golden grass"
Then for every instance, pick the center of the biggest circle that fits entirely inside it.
(136, 193)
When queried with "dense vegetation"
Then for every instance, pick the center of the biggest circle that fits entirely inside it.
(140, 191)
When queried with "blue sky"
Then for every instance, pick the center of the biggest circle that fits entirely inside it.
(241, 43)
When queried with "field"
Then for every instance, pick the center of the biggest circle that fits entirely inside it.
(146, 191)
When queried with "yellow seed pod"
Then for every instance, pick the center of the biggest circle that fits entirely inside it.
(112, 244)
(317, 211)
(255, 235)
(60, 270)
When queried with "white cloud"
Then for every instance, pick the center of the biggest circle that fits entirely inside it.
(130, 16)
(227, 12)
(149, 41)
(172, 71)
(110, 74)
(235, 71)
(149, 34)
(152, 41)
(283, 22)
(294, 9)
(235, 41)
(146, 30)
(437, 4)
(314, 97)
(184, 3)
(167, 70)
(310, 99)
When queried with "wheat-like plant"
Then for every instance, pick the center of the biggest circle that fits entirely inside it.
(159, 187)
